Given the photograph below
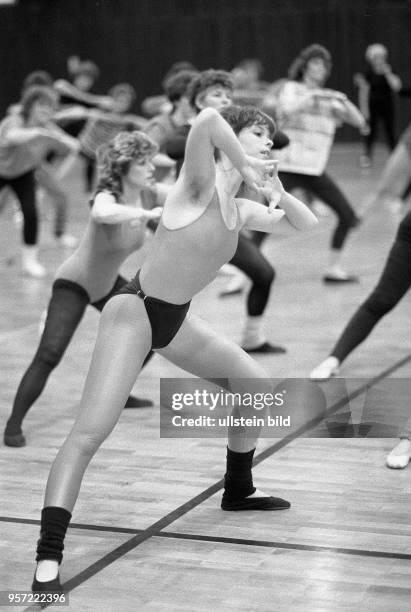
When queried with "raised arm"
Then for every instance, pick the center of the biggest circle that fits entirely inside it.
(393, 79)
(209, 132)
(363, 94)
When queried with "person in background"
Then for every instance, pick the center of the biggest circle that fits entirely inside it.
(248, 86)
(165, 127)
(76, 99)
(25, 140)
(45, 174)
(158, 105)
(394, 283)
(377, 88)
(101, 126)
(125, 199)
(309, 114)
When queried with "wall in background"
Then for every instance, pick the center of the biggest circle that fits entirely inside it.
(137, 40)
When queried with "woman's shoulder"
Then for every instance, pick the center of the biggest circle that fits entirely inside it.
(104, 194)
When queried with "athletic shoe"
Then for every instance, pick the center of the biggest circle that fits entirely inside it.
(267, 348)
(326, 369)
(255, 503)
(50, 586)
(138, 402)
(66, 240)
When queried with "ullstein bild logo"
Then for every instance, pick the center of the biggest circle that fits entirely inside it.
(279, 407)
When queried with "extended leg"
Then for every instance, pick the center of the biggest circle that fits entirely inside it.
(202, 352)
(123, 340)
(65, 311)
(394, 282)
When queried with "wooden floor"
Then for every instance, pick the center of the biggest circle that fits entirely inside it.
(148, 532)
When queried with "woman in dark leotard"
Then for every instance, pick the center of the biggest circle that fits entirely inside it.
(197, 234)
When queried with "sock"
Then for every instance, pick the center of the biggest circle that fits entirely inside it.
(252, 334)
(238, 479)
(334, 258)
(54, 523)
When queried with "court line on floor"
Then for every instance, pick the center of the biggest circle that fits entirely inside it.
(177, 513)
(175, 535)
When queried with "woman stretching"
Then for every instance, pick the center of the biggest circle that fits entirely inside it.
(197, 234)
(116, 228)
(394, 282)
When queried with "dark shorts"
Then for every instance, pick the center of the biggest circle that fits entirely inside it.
(165, 318)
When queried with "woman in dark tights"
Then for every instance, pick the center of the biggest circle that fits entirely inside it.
(309, 114)
(116, 228)
(376, 93)
(394, 282)
(25, 139)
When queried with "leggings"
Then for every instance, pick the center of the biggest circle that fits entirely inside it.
(324, 187)
(24, 188)
(252, 262)
(394, 282)
(65, 311)
(385, 114)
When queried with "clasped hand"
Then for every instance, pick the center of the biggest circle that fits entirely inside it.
(272, 188)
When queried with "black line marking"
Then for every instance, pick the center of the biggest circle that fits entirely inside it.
(286, 545)
(84, 526)
(166, 520)
(222, 540)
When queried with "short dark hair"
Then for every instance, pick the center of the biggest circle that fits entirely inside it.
(178, 67)
(37, 77)
(122, 88)
(206, 79)
(240, 117)
(248, 63)
(297, 69)
(33, 95)
(176, 85)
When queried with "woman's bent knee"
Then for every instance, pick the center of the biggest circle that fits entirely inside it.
(87, 443)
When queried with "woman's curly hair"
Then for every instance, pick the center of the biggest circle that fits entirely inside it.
(114, 159)
(298, 67)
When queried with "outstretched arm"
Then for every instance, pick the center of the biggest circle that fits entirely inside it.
(66, 88)
(107, 211)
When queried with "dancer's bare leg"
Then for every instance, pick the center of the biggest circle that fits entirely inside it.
(123, 341)
(198, 349)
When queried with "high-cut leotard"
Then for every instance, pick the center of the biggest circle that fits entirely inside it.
(179, 264)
